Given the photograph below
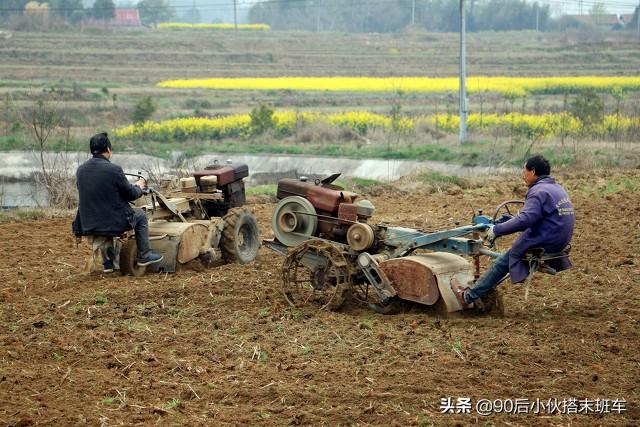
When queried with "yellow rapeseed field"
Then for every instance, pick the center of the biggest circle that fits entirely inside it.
(186, 25)
(537, 127)
(516, 86)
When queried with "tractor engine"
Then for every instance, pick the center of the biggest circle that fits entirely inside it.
(227, 178)
(321, 209)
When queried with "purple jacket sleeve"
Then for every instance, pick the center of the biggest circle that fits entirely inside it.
(531, 214)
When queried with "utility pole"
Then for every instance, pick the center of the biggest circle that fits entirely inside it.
(537, 17)
(235, 14)
(193, 13)
(318, 5)
(638, 18)
(463, 76)
(413, 13)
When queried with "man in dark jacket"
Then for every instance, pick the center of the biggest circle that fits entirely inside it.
(546, 220)
(104, 196)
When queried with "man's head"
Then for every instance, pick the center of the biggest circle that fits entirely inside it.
(100, 144)
(534, 168)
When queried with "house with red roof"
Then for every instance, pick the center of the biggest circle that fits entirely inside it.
(125, 17)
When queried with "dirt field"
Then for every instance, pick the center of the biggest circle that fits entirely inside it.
(220, 346)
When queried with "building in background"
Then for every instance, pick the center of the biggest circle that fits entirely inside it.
(126, 18)
(610, 21)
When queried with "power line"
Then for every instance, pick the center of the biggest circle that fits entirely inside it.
(305, 3)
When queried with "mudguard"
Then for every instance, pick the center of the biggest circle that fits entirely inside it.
(426, 278)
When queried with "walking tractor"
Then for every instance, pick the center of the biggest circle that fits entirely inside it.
(332, 251)
(198, 216)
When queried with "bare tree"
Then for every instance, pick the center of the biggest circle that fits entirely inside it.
(44, 120)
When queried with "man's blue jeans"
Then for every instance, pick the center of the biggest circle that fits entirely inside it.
(140, 224)
(490, 279)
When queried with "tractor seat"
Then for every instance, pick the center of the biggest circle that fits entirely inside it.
(103, 247)
(537, 257)
(103, 236)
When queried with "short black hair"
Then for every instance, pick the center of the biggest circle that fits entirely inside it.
(99, 143)
(538, 164)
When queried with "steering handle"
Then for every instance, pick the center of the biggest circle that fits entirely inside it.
(146, 189)
(505, 205)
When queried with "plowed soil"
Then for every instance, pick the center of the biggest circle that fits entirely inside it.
(220, 346)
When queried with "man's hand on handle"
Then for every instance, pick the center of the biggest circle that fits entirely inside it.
(490, 238)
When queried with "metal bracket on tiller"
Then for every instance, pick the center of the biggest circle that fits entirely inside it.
(376, 277)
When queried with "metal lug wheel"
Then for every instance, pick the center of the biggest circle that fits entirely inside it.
(316, 272)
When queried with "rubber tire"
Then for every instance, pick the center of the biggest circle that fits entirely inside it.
(128, 263)
(240, 222)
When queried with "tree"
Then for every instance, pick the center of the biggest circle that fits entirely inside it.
(37, 14)
(395, 15)
(144, 110)
(45, 122)
(104, 10)
(634, 21)
(13, 7)
(35, 8)
(192, 15)
(262, 119)
(71, 10)
(589, 108)
(507, 15)
(598, 12)
(155, 11)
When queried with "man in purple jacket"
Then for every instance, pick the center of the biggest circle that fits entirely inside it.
(546, 220)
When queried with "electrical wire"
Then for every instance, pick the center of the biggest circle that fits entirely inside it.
(312, 4)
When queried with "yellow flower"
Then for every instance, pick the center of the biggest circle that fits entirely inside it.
(531, 126)
(185, 25)
(514, 87)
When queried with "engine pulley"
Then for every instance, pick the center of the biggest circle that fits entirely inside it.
(294, 220)
(360, 236)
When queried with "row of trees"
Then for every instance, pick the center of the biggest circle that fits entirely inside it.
(395, 15)
(333, 15)
(73, 11)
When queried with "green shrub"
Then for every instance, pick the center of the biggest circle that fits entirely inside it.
(262, 119)
(144, 110)
(589, 108)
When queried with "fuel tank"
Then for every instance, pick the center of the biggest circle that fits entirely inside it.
(226, 173)
(324, 197)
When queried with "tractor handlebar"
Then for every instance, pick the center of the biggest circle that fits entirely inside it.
(146, 190)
